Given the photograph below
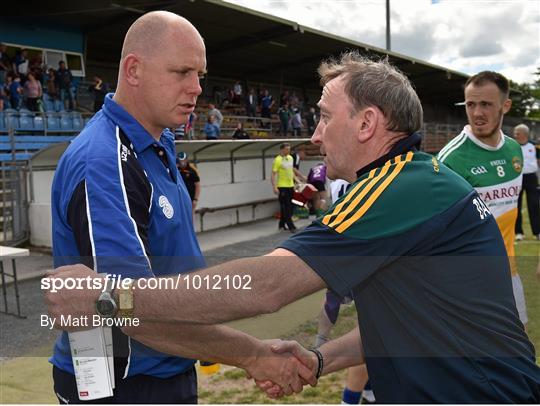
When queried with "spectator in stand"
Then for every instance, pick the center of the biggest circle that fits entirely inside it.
(266, 104)
(51, 95)
(63, 81)
(240, 133)
(6, 91)
(213, 111)
(237, 92)
(296, 122)
(15, 92)
(284, 118)
(211, 129)
(311, 120)
(100, 89)
(251, 103)
(32, 92)
(21, 64)
(5, 64)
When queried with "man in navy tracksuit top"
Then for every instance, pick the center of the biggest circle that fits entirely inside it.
(120, 206)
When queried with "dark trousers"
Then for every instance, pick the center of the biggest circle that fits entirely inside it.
(530, 186)
(142, 389)
(32, 103)
(286, 207)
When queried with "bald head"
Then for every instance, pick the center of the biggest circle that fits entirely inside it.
(151, 33)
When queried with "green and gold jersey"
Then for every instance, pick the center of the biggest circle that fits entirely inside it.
(420, 253)
(495, 173)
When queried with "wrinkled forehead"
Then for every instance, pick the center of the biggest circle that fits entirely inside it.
(333, 91)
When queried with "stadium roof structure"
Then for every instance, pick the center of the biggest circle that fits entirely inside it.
(241, 43)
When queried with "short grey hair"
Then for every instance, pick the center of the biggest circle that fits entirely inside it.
(379, 84)
(522, 127)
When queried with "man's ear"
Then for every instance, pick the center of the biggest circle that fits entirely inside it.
(507, 105)
(368, 120)
(131, 67)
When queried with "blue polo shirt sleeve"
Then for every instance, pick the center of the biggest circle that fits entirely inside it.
(109, 213)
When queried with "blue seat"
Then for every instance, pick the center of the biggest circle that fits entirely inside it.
(12, 121)
(26, 122)
(53, 122)
(39, 123)
(2, 121)
(77, 120)
(77, 124)
(48, 104)
(25, 111)
(65, 122)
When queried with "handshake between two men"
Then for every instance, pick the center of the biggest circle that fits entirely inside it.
(278, 367)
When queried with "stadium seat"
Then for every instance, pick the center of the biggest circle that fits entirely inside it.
(77, 120)
(2, 122)
(26, 122)
(53, 123)
(65, 122)
(48, 103)
(39, 123)
(12, 121)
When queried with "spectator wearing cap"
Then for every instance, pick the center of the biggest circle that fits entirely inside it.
(190, 176)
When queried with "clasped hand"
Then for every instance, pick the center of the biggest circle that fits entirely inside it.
(284, 368)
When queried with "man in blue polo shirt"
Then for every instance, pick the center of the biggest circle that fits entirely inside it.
(411, 242)
(120, 206)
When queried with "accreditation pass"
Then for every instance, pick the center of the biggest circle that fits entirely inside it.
(91, 364)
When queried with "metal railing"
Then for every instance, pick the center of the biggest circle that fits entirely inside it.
(14, 204)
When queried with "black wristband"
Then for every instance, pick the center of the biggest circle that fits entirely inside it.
(320, 362)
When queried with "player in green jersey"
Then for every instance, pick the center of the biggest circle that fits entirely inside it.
(491, 161)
